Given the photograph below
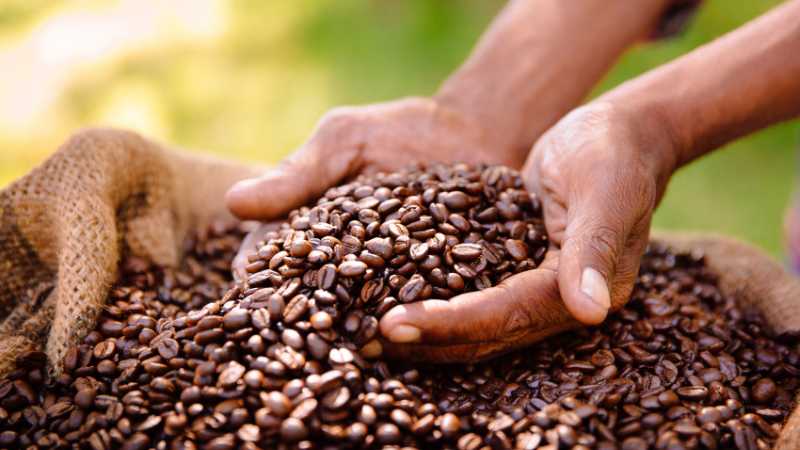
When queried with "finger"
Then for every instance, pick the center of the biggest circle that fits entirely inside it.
(429, 353)
(433, 353)
(594, 240)
(296, 181)
(529, 300)
(470, 352)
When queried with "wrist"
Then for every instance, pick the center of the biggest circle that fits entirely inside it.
(648, 131)
(495, 132)
(532, 67)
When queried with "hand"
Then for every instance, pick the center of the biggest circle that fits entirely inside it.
(599, 173)
(354, 140)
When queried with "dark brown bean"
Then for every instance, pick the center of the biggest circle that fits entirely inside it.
(352, 268)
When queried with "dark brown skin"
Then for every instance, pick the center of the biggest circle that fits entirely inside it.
(600, 170)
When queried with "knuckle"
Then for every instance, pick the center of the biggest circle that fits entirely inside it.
(295, 161)
(603, 243)
(341, 129)
(338, 118)
(622, 290)
(519, 317)
(550, 172)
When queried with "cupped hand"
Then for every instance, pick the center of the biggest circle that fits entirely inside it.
(353, 140)
(349, 141)
(599, 173)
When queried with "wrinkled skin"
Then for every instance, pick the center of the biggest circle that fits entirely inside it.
(598, 186)
(352, 140)
(599, 171)
(599, 177)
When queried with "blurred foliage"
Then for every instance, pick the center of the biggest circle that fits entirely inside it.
(256, 91)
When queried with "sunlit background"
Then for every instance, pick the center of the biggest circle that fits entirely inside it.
(248, 79)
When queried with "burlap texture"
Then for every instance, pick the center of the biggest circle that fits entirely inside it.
(64, 226)
(753, 278)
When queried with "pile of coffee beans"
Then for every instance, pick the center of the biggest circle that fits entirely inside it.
(679, 367)
(330, 273)
(288, 357)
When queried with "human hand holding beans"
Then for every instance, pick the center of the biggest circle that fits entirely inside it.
(356, 140)
(591, 161)
(598, 176)
(490, 111)
(599, 172)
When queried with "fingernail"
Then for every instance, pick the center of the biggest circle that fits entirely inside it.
(595, 287)
(404, 334)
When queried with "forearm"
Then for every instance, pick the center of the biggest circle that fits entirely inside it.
(540, 58)
(737, 84)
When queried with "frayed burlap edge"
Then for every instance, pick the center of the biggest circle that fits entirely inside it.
(67, 222)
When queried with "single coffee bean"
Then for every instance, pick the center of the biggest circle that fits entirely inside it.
(455, 200)
(168, 348)
(692, 392)
(300, 248)
(467, 252)
(321, 320)
(326, 277)
(413, 289)
(450, 424)
(293, 430)
(764, 391)
(296, 308)
(236, 318)
(352, 268)
(387, 434)
(231, 374)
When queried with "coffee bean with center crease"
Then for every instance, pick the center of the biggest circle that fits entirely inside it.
(413, 289)
(185, 358)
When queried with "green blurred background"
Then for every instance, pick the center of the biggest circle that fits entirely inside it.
(248, 79)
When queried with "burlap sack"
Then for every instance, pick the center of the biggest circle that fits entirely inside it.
(64, 226)
(754, 279)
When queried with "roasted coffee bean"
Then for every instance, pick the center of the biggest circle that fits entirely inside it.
(517, 249)
(387, 434)
(278, 403)
(449, 424)
(168, 348)
(692, 392)
(412, 290)
(295, 309)
(293, 430)
(300, 248)
(326, 277)
(467, 252)
(321, 320)
(764, 391)
(455, 200)
(352, 268)
(235, 319)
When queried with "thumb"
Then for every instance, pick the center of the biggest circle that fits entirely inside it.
(297, 180)
(593, 243)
